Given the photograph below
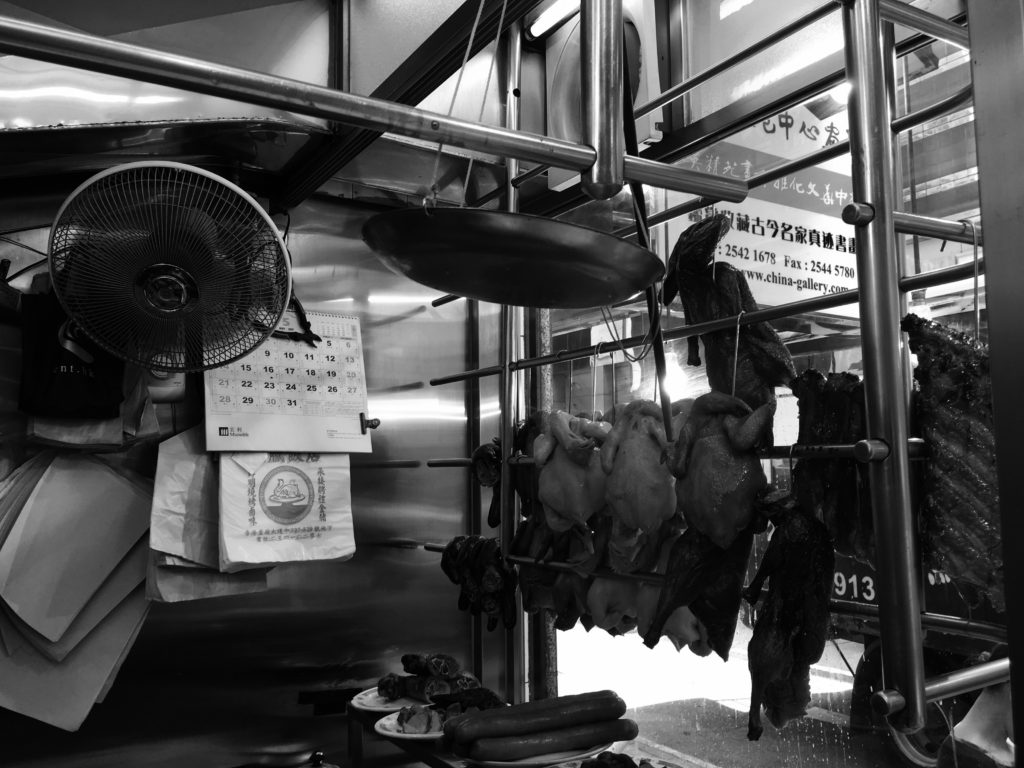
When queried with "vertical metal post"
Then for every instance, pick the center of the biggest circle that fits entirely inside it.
(515, 639)
(472, 400)
(896, 551)
(997, 55)
(601, 79)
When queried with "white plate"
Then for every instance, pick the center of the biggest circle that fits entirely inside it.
(388, 726)
(371, 701)
(540, 761)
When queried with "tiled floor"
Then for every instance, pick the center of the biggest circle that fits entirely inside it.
(692, 711)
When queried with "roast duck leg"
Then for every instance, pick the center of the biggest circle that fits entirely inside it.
(792, 626)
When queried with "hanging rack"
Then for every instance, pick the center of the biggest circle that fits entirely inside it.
(899, 613)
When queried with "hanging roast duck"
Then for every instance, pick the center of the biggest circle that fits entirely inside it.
(717, 469)
(718, 482)
(792, 625)
(709, 290)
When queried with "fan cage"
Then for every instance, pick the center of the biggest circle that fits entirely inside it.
(169, 267)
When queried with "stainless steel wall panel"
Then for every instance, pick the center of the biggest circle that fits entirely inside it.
(237, 681)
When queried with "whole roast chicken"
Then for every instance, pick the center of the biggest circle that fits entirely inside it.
(792, 627)
(639, 487)
(571, 486)
(718, 473)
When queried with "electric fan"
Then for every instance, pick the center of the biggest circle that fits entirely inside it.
(169, 266)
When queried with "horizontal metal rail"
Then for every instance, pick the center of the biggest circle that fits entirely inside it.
(813, 304)
(964, 680)
(927, 23)
(830, 152)
(389, 464)
(952, 625)
(944, 229)
(712, 129)
(939, 108)
(479, 373)
(439, 463)
(703, 76)
(446, 299)
(916, 446)
(99, 54)
(950, 684)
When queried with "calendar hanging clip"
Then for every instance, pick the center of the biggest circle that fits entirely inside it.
(365, 423)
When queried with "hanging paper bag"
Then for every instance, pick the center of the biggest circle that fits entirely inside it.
(283, 508)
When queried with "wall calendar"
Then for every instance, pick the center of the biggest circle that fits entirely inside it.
(290, 395)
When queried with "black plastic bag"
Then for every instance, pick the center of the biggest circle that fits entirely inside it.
(64, 374)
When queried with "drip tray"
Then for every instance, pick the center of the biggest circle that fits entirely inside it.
(511, 258)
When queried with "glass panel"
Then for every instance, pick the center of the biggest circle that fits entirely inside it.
(790, 243)
(940, 179)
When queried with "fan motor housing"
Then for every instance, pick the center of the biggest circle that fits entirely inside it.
(166, 289)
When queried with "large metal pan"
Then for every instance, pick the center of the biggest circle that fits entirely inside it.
(511, 258)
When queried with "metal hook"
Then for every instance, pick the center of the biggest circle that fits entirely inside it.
(430, 201)
(977, 305)
(736, 352)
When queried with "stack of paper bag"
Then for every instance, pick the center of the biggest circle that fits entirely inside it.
(284, 508)
(184, 527)
(72, 564)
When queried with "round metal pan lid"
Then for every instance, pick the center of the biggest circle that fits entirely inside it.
(511, 258)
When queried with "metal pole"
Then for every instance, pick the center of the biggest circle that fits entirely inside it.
(98, 54)
(958, 99)
(515, 638)
(813, 304)
(950, 684)
(666, 176)
(601, 79)
(997, 54)
(926, 226)
(768, 41)
(928, 23)
(897, 559)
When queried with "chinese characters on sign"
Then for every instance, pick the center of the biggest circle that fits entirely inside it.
(784, 123)
(791, 233)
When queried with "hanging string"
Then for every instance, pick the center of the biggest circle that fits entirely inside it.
(431, 200)
(483, 101)
(736, 352)
(615, 383)
(977, 306)
(646, 343)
